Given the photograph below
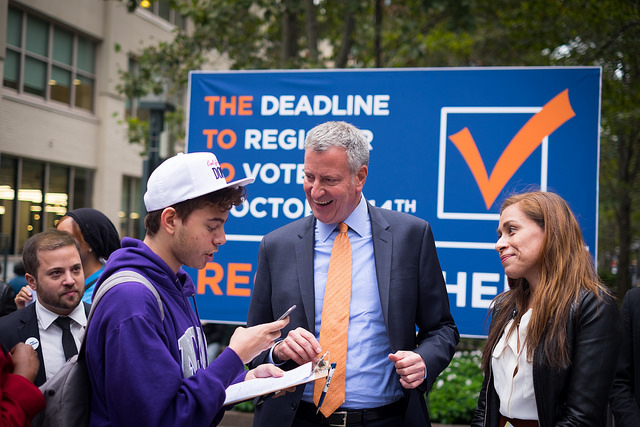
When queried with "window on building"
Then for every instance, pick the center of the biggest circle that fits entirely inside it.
(163, 9)
(30, 199)
(56, 199)
(26, 212)
(8, 185)
(49, 61)
(130, 218)
(80, 192)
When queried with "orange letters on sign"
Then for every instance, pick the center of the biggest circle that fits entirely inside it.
(212, 281)
(227, 134)
(234, 105)
(234, 278)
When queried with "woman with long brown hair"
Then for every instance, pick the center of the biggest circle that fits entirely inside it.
(551, 353)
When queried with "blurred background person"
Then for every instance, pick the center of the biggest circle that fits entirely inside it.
(18, 281)
(7, 295)
(97, 237)
(625, 393)
(551, 353)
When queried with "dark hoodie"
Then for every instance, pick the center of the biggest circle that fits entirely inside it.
(145, 371)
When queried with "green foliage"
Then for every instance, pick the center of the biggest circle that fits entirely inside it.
(454, 396)
(247, 406)
(607, 277)
(263, 34)
(137, 130)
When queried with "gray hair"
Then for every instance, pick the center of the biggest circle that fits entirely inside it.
(340, 134)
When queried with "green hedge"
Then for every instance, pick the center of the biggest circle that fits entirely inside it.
(455, 394)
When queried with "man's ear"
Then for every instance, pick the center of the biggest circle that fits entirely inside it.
(31, 280)
(168, 220)
(361, 177)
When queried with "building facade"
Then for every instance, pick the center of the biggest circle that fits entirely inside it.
(63, 135)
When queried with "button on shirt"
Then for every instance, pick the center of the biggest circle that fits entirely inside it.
(371, 380)
(517, 398)
(51, 336)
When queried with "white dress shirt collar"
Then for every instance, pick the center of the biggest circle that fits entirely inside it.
(46, 316)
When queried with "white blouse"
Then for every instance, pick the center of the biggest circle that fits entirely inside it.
(513, 373)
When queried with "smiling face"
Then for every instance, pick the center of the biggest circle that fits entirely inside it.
(198, 237)
(331, 190)
(519, 244)
(60, 279)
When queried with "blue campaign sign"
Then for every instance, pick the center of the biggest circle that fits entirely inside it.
(447, 145)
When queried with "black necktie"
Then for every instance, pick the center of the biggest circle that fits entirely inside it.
(68, 343)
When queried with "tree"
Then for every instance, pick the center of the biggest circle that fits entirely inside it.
(603, 33)
(427, 33)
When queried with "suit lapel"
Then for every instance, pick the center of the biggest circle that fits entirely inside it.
(29, 329)
(304, 265)
(382, 243)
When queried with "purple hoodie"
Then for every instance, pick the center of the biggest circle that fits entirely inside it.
(149, 372)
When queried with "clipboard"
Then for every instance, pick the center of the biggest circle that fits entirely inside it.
(250, 389)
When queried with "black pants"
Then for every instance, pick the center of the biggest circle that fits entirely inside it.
(388, 416)
(396, 421)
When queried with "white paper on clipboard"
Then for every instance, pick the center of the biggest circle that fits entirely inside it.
(260, 386)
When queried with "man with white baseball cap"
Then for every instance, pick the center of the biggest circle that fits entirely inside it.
(147, 369)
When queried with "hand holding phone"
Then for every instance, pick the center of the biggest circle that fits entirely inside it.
(288, 312)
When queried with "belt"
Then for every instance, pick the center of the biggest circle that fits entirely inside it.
(344, 417)
(517, 423)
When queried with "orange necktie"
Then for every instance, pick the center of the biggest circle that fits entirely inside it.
(334, 324)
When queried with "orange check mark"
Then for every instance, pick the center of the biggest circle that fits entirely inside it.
(552, 115)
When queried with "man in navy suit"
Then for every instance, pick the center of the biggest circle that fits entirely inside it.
(401, 333)
(54, 269)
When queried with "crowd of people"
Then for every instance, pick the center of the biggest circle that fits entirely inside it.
(369, 292)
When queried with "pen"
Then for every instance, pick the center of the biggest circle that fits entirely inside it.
(326, 386)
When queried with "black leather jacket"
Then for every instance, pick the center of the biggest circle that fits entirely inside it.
(575, 395)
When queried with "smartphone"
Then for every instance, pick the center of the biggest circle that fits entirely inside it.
(286, 313)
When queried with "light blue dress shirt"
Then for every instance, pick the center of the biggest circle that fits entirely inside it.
(371, 380)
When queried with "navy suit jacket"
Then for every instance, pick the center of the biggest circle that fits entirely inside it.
(21, 325)
(411, 288)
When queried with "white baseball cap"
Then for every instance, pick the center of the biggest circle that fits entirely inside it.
(184, 177)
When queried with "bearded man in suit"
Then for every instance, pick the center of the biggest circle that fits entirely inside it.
(54, 269)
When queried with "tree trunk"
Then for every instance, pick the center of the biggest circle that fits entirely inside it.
(623, 282)
(378, 30)
(628, 169)
(347, 39)
(289, 41)
(312, 31)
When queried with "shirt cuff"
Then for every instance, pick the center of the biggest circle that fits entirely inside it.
(270, 359)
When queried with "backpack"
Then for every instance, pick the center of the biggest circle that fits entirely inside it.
(68, 393)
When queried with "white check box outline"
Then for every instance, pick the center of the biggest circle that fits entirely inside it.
(444, 112)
